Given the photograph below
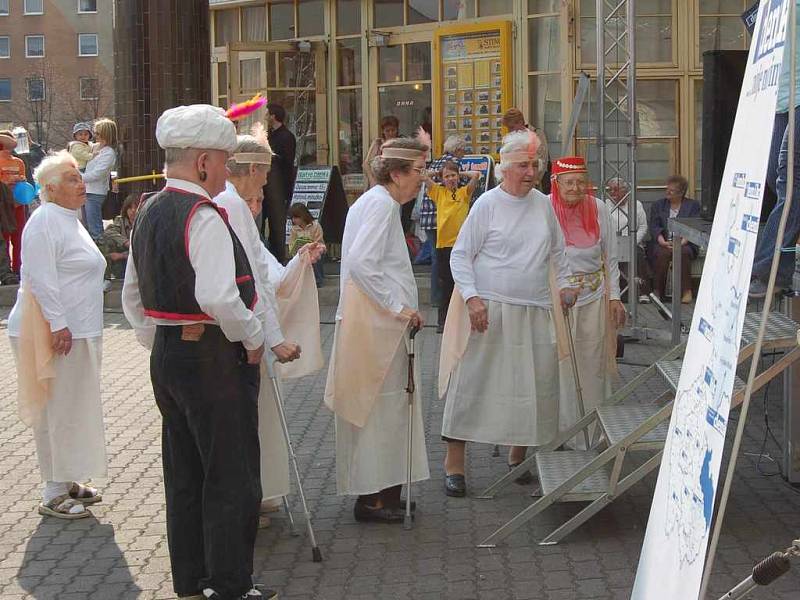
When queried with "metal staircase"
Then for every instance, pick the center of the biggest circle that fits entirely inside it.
(597, 475)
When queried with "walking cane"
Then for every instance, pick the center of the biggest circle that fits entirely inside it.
(316, 555)
(574, 361)
(410, 389)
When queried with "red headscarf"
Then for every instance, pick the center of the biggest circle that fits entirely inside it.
(579, 222)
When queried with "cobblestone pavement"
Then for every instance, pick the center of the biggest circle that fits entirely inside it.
(121, 553)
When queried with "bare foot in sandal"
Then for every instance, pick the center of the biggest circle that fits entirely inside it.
(64, 507)
(84, 493)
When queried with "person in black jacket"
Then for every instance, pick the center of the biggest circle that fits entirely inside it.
(278, 191)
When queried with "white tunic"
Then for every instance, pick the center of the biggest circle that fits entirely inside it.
(64, 270)
(211, 257)
(619, 218)
(60, 265)
(375, 258)
(504, 248)
(503, 390)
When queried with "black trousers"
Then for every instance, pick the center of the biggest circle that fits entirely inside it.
(446, 283)
(208, 398)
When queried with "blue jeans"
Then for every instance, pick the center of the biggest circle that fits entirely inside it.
(766, 242)
(93, 214)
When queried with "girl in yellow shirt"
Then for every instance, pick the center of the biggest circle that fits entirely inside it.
(452, 206)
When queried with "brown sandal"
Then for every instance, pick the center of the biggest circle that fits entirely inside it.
(64, 507)
(84, 493)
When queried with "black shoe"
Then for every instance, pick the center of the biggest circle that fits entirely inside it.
(455, 486)
(9, 279)
(525, 479)
(365, 514)
(440, 329)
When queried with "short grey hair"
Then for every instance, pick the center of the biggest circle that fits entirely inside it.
(383, 167)
(619, 182)
(454, 143)
(50, 171)
(247, 144)
(176, 156)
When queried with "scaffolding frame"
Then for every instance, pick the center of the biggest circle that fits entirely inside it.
(617, 119)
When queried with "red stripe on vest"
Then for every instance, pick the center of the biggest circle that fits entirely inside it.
(169, 316)
(243, 278)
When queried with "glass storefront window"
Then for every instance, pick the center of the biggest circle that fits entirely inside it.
(254, 24)
(226, 26)
(418, 61)
(543, 6)
(698, 136)
(657, 108)
(222, 83)
(722, 33)
(655, 161)
(250, 74)
(348, 17)
(301, 112)
(390, 64)
(348, 69)
(296, 70)
(722, 7)
(311, 17)
(410, 103)
(388, 13)
(281, 20)
(350, 117)
(488, 8)
(453, 10)
(422, 11)
(545, 108)
(543, 44)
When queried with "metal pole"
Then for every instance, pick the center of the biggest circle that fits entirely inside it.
(633, 220)
(601, 92)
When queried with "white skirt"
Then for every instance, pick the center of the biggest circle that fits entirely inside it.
(505, 390)
(588, 325)
(70, 436)
(373, 458)
(274, 452)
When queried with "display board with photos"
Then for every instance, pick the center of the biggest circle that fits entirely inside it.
(472, 75)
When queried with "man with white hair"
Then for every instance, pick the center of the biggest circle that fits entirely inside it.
(190, 295)
(455, 146)
(499, 353)
(618, 192)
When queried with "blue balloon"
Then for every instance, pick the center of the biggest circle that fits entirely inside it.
(36, 188)
(24, 193)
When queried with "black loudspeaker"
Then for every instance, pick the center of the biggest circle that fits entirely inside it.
(723, 72)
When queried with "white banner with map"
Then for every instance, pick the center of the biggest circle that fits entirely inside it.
(675, 544)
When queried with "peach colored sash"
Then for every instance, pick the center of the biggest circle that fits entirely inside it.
(366, 341)
(35, 369)
(298, 313)
(457, 329)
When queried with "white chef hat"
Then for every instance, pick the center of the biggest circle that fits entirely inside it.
(199, 126)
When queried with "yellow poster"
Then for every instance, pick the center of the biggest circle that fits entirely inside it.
(483, 78)
(465, 76)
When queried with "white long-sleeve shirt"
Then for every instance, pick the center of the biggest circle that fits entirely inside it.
(374, 252)
(98, 170)
(266, 268)
(619, 219)
(211, 257)
(505, 249)
(64, 270)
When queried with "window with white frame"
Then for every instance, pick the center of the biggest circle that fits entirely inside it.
(34, 7)
(36, 89)
(90, 88)
(87, 6)
(34, 46)
(5, 46)
(87, 44)
(5, 89)
(3, 8)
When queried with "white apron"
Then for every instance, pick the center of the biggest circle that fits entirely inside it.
(504, 390)
(69, 435)
(274, 453)
(373, 457)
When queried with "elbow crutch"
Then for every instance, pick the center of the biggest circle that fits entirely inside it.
(316, 554)
(410, 391)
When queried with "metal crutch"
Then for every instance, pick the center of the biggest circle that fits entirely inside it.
(574, 361)
(316, 554)
(410, 389)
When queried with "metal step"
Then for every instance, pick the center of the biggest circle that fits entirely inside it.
(619, 420)
(780, 328)
(671, 372)
(558, 466)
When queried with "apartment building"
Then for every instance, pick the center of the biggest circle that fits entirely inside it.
(56, 65)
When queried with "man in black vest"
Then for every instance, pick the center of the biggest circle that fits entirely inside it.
(190, 296)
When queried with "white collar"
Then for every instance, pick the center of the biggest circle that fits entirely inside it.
(186, 186)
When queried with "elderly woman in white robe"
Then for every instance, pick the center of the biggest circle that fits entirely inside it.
(499, 387)
(56, 331)
(591, 248)
(249, 168)
(367, 377)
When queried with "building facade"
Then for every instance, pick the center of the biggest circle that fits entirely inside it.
(56, 66)
(339, 65)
